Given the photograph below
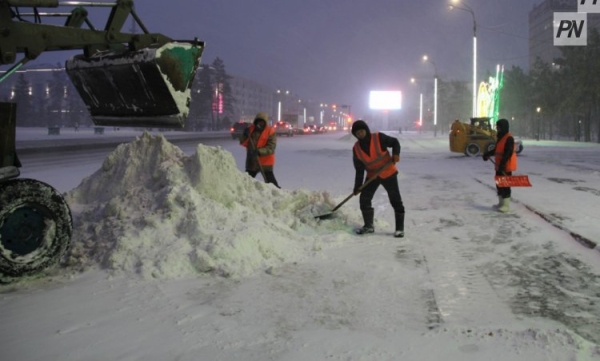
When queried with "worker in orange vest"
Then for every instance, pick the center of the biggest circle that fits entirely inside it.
(371, 154)
(505, 159)
(260, 141)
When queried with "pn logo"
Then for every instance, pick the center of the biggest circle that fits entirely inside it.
(570, 29)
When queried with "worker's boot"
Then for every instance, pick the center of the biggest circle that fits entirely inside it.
(368, 216)
(496, 206)
(504, 205)
(399, 225)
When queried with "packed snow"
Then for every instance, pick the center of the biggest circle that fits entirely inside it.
(179, 255)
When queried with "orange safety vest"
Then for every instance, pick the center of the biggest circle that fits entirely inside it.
(268, 159)
(511, 164)
(376, 159)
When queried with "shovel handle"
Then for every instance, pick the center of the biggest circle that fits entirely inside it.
(494, 163)
(368, 181)
(262, 171)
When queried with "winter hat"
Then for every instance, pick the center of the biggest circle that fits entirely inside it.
(358, 125)
(502, 126)
(261, 116)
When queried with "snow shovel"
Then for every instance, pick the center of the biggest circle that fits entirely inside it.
(330, 214)
(262, 171)
(511, 180)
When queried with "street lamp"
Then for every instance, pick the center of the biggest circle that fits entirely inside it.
(420, 112)
(435, 91)
(303, 112)
(349, 115)
(279, 103)
(322, 112)
(412, 80)
(464, 7)
(537, 137)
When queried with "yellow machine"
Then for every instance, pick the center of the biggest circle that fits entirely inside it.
(475, 138)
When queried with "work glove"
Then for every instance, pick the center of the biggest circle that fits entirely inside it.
(486, 157)
(253, 153)
(356, 191)
(396, 158)
(247, 132)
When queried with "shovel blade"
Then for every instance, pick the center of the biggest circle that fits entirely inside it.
(325, 216)
(512, 181)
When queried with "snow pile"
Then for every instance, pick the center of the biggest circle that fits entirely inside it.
(154, 211)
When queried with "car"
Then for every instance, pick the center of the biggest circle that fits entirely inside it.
(237, 129)
(310, 129)
(284, 128)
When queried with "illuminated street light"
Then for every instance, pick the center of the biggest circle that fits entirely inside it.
(412, 80)
(537, 137)
(435, 92)
(279, 104)
(420, 111)
(464, 7)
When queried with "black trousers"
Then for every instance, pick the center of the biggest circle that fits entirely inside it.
(503, 192)
(269, 175)
(391, 186)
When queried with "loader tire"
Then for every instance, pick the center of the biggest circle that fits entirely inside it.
(35, 227)
(472, 150)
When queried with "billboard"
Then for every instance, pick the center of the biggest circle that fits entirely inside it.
(385, 100)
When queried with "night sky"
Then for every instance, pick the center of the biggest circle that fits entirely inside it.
(336, 51)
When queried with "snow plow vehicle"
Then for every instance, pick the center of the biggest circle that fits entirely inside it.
(475, 138)
(124, 79)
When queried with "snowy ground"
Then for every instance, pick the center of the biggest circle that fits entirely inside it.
(177, 255)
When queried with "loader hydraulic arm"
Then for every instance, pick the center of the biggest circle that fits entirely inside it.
(17, 35)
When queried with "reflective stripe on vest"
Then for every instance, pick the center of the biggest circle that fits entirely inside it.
(376, 159)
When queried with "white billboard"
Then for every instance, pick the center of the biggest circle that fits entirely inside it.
(386, 100)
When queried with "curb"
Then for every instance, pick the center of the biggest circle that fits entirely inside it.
(61, 145)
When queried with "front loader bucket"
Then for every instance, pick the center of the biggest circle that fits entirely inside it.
(150, 87)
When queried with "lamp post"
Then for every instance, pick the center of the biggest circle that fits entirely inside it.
(412, 80)
(420, 112)
(303, 105)
(435, 92)
(322, 112)
(537, 137)
(348, 116)
(279, 103)
(464, 7)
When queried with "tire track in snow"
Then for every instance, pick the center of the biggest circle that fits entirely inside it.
(461, 291)
(552, 221)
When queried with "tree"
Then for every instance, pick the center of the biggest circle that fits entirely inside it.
(579, 69)
(454, 102)
(56, 103)
(24, 100)
(223, 99)
(547, 95)
(201, 104)
(515, 98)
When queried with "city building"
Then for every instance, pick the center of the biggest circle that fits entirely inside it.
(541, 33)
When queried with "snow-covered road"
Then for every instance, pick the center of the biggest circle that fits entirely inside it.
(466, 283)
